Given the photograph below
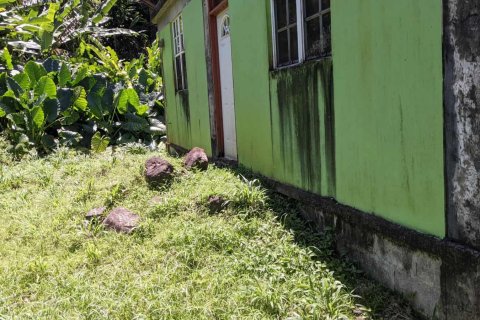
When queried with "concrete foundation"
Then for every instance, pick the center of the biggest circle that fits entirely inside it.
(440, 278)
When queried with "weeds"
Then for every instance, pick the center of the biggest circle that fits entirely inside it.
(254, 259)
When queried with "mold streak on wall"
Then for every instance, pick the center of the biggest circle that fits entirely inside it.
(300, 106)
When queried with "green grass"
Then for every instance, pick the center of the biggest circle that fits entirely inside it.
(254, 260)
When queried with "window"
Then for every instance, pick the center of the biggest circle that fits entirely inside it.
(301, 30)
(179, 54)
(225, 30)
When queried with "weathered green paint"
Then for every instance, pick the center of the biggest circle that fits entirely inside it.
(250, 58)
(388, 109)
(299, 99)
(188, 116)
(365, 128)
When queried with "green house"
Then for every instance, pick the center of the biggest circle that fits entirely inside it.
(351, 105)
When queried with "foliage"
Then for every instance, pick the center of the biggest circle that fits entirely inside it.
(88, 101)
(132, 15)
(182, 263)
(43, 28)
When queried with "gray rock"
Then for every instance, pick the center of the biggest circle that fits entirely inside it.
(196, 158)
(158, 170)
(121, 220)
(216, 204)
(95, 213)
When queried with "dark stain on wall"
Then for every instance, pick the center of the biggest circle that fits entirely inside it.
(326, 78)
(184, 104)
(298, 94)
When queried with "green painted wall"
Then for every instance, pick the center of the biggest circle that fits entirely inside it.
(250, 58)
(388, 109)
(188, 115)
(365, 128)
(301, 99)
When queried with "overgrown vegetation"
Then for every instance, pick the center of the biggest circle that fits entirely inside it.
(254, 260)
(61, 86)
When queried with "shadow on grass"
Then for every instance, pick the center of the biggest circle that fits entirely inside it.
(383, 303)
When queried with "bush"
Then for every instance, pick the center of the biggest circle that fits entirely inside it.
(92, 100)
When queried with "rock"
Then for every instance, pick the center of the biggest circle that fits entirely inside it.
(158, 170)
(121, 220)
(196, 158)
(95, 213)
(216, 204)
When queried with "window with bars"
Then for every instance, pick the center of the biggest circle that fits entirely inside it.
(301, 30)
(179, 55)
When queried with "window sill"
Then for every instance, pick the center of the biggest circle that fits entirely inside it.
(300, 64)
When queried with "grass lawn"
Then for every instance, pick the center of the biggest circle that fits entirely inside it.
(254, 260)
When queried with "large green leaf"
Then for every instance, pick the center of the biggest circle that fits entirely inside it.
(64, 76)
(95, 105)
(70, 116)
(7, 57)
(34, 71)
(133, 98)
(99, 142)
(121, 102)
(15, 87)
(135, 123)
(80, 75)
(51, 65)
(23, 80)
(80, 99)
(65, 97)
(46, 86)
(51, 108)
(69, 137)
(5, 2)
(37, 116)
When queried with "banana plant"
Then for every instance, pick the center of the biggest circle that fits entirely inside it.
(42, 29)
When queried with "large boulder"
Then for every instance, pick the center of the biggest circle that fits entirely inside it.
(158, 170)
(121, 220)
(196, 158)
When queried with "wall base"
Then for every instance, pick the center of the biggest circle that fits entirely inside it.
(440, 278)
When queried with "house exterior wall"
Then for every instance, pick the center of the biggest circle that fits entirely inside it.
(250, 56)
(389, 110)
(187, 112)
(364, 127)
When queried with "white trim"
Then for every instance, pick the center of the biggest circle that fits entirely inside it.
(274, 33)
(300, 31)
(179, 51)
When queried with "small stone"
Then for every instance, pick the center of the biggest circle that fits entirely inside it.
(121, 220)
(158, 170)
(216, 204)
(196, 158)
(95, 213)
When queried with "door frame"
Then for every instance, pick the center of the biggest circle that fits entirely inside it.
(213, 11)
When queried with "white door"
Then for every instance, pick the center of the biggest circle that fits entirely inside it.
(226, 84)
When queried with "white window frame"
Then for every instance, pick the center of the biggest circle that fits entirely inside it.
(179, 51)
(300, 34)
